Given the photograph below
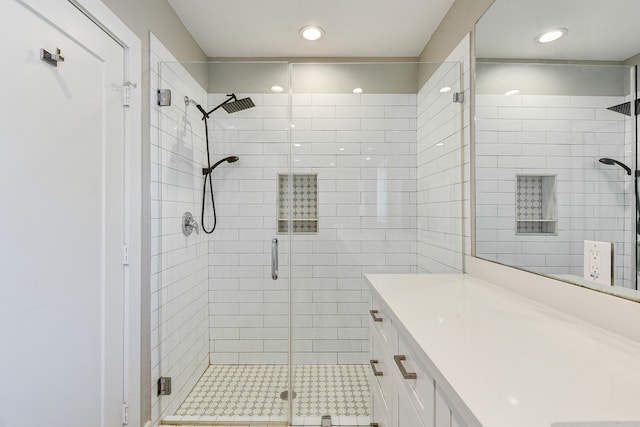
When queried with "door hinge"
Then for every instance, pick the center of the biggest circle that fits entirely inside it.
(164, 386)
(125, 414)
(125, 254)
(126, 93)
(126, 96)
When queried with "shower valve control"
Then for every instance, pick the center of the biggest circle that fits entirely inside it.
(189, 224)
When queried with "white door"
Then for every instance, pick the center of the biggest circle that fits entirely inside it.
(61, 219)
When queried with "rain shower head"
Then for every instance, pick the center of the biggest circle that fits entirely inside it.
(233, 105)
(608, 161)
(238, 105)
(625, 108)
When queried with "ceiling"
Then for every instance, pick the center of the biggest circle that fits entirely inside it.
(599, 30)
(269, 28)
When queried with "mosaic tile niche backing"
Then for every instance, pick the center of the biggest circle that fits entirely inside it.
(535, 204)
(304, 204)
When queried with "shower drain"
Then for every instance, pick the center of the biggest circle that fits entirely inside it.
(285, 395)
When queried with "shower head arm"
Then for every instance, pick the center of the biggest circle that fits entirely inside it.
(232, 97)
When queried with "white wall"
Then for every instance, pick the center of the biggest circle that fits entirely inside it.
(179, 330)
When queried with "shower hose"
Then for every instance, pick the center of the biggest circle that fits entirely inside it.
(207, 178)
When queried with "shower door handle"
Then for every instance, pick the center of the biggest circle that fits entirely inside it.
(274, 259)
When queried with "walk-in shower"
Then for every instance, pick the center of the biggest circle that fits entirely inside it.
(345, 182)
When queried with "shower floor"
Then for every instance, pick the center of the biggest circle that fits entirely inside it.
(240, 393)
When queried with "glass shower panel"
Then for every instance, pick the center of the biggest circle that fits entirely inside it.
(377, 149)
(223, 313)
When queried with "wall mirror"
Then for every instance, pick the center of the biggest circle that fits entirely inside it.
(556, 140)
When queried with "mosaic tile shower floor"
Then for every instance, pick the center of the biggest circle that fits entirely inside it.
(253, 392)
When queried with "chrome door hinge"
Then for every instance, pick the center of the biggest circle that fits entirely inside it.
(125, 414)
(164, 386)
(458, 97)
(125, 254)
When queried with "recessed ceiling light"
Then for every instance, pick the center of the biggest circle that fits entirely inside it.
(358, 90)
(311, 32)
(277, 89)
(512, 92)
(551, 35)
(445, 89)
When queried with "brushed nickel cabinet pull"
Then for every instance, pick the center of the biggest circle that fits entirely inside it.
(374, 317)
(376, 373)
(406, 375)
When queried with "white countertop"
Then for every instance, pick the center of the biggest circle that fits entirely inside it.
(514, 362)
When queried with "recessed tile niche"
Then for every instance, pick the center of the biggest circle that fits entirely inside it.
(536, 205)
(304, 205)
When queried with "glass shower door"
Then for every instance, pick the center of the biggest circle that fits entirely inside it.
(376, 155)
(223, 316)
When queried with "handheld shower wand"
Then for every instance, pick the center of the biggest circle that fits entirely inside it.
(608, 161)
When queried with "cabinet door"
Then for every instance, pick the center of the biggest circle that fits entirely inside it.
(443, 412)
(407, 415)
(381, 374)
(379, 414)
(456, 421)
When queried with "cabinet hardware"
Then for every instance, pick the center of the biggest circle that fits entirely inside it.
(374, 317)
(406, 375)
(373, 363)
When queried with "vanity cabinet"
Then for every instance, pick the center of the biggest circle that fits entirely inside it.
(404, 392)
(452, 350)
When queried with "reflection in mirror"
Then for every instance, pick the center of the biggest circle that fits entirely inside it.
(555, 142)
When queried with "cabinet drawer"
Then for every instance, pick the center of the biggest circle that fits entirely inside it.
(419, 390)
(381, 373)
(380, 407)
(380, 321)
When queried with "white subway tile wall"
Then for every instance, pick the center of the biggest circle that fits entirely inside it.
(440, 173)
(362, 148)
(179, 276)
(565, 136)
